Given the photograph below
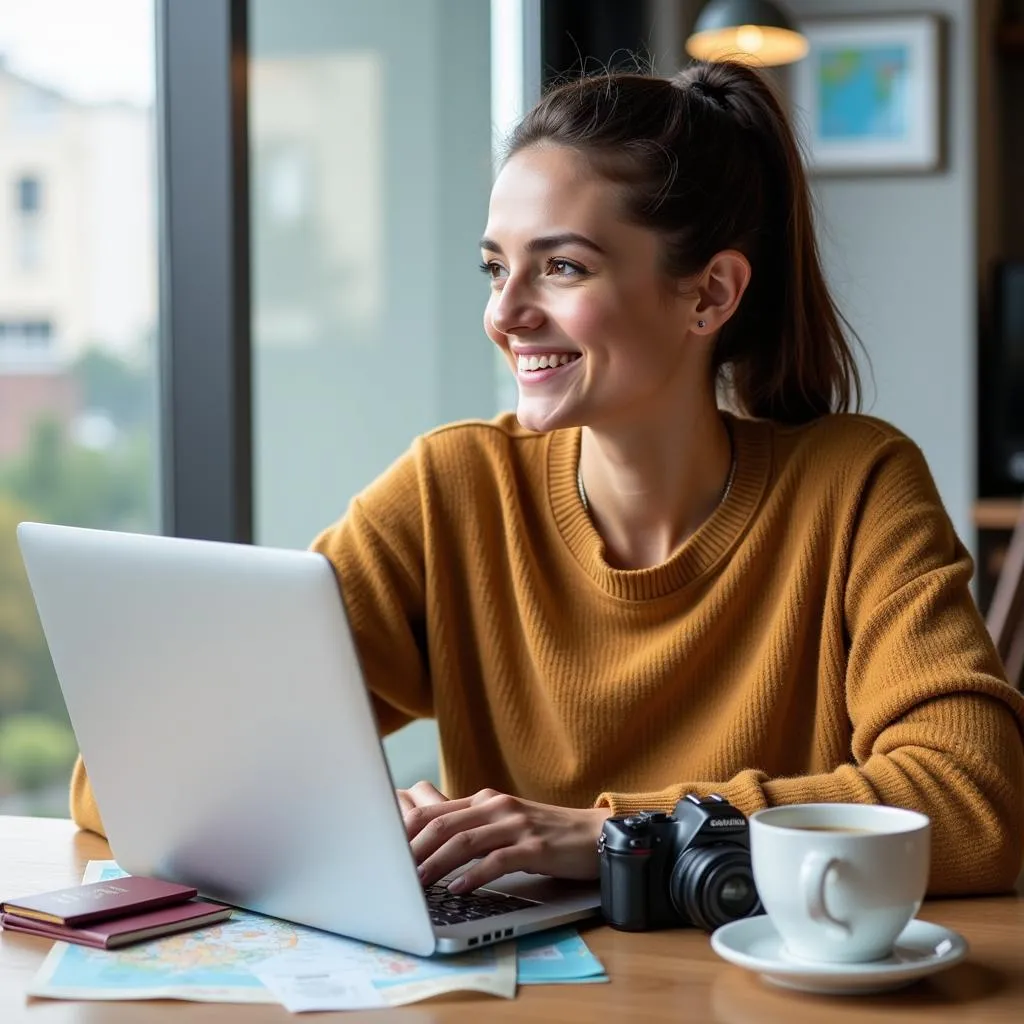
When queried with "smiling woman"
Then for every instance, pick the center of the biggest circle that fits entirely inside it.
(626, 593)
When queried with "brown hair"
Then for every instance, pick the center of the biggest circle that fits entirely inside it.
(709, 161)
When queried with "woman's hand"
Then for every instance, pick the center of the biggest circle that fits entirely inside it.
(506, 833)
(423, 794)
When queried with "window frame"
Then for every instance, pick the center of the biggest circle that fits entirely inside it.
(205, 334)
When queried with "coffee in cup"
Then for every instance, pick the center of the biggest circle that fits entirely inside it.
(840, 881)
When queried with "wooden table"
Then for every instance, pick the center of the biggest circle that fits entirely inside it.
(665, 976)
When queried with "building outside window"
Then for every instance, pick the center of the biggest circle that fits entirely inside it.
(78, 291)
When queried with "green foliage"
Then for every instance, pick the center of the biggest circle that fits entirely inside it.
(55, 480)
(61, 482)
(126, 392)
(34, 750)
(19, 628)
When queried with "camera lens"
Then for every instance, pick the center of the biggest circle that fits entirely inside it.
(713, 885)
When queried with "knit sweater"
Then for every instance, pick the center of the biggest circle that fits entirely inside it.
(814, 640)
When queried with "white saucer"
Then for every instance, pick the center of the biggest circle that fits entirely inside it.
(920, 949)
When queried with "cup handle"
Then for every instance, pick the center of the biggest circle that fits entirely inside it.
(813, 875)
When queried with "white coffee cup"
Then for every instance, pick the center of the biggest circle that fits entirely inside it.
(840, 881)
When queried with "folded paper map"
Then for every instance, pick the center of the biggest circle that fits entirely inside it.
(222, 963)
(557, 957)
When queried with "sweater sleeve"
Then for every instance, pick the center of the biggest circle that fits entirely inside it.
(377, 554)
(84, 812)
(377, 551)
(935, 725)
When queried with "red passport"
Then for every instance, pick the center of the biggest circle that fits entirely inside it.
(121, 931)
(99, 901)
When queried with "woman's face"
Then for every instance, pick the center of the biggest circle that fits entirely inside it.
(591, 328)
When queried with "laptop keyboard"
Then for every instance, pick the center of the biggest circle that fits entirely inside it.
(447, 908)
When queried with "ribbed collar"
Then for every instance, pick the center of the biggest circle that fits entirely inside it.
(714, 538)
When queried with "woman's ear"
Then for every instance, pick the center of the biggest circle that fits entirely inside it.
(719, 290)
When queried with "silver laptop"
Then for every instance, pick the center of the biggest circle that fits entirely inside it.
(216, 694)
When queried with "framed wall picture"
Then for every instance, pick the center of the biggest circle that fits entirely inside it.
(867, 97)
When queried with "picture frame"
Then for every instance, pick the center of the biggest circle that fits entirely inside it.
(867, 98)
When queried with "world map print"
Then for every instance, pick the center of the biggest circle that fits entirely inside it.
(863, 92)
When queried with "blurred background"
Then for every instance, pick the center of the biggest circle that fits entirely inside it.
(238, 267)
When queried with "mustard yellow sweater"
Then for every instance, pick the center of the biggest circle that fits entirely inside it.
(815, 640)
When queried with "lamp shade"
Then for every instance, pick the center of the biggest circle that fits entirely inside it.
(750, 31)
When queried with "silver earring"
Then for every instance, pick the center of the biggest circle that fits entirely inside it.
(700, 323)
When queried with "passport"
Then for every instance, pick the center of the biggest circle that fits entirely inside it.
(121, 931)
(99, 901)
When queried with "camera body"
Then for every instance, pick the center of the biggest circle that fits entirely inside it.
(691, 867)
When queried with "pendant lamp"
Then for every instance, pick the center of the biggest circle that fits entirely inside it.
(750, 31)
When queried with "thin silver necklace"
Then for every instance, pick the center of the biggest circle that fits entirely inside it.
(721, 500)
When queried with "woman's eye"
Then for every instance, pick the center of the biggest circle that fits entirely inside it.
(495, 271)
(565, 268)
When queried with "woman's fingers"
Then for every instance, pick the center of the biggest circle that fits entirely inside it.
(439, 824)
(525, 855)
(422, 794)
(426, 793)
(495, 833)
(419, 818)
(497, 804)
(464, 847)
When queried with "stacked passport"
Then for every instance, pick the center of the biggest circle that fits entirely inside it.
(110, 914)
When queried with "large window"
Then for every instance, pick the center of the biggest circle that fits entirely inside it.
(78, 309)
(368, 131)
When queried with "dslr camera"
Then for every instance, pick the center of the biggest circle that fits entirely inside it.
(691, 867)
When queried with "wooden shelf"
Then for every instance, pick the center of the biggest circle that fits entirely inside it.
(997, 513)
(1010, 39)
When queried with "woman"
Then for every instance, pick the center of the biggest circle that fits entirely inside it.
(624, 594)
